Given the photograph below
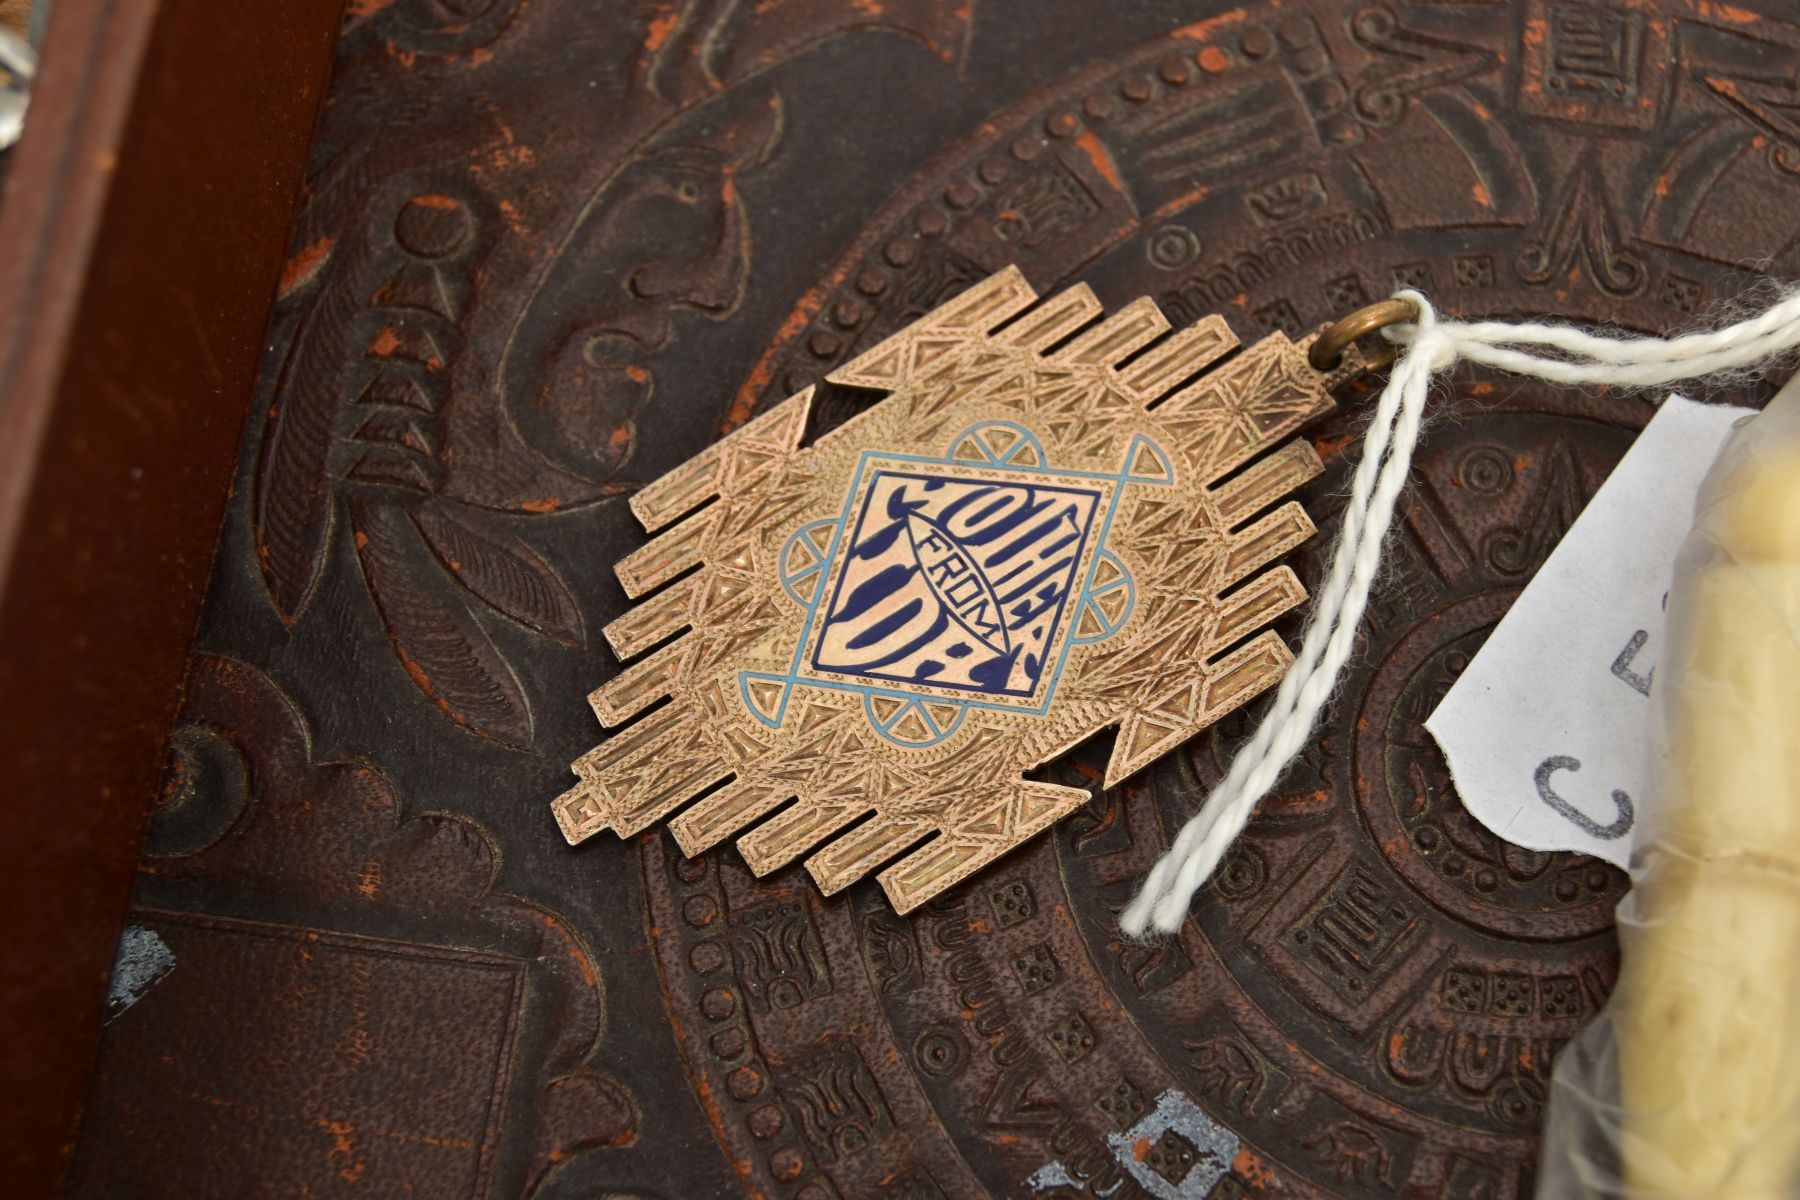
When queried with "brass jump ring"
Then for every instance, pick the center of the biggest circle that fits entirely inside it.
(1343, 333)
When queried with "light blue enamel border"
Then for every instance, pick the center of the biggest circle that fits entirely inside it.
(792, 678)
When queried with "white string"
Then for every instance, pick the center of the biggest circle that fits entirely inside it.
(1556, 353)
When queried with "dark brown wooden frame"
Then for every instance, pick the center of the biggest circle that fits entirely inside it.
(142, 230)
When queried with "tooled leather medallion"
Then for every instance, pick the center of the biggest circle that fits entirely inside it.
(550, 251)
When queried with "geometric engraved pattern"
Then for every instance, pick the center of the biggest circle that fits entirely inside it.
(1044, 530)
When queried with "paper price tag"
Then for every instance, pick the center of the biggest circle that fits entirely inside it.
(1547, 730)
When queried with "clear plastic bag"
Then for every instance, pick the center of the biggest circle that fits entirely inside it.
(1688, 1084)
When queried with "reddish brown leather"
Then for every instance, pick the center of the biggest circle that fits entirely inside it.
(552, 248)
(140, 238)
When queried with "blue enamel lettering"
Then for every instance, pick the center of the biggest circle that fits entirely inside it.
(971, 597)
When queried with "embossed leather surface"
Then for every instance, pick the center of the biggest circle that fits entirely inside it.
(553, 249)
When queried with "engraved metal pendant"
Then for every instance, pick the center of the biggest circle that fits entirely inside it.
(1018, 547)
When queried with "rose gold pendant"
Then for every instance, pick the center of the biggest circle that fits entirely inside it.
(1019, 547)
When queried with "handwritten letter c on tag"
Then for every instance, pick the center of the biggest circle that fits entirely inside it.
(1547, 731)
